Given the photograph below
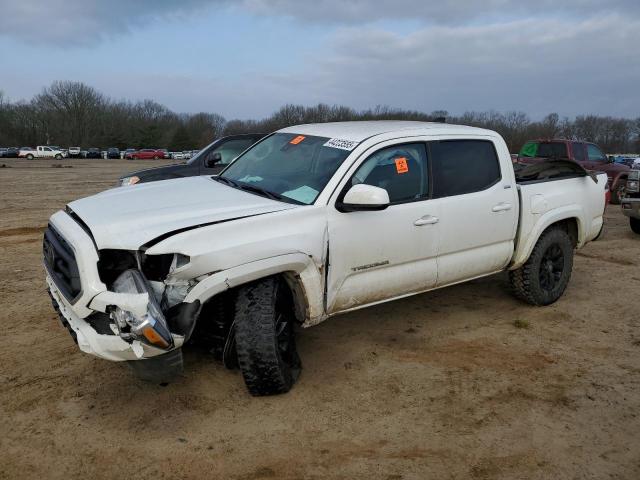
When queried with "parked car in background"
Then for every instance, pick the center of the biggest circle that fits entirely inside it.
(75, 152)
(146, 154)
(628, 161)
(589, 155)
(113, 153)
(65, 152)
(3, 150)
(167, 153)
(631, 200)
(11, 152)
(177, 155)
(42, 151)
(210, 161)
(187, 154)
(93, 153)
(128, 152)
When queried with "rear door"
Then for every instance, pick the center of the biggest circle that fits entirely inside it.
(478, 212)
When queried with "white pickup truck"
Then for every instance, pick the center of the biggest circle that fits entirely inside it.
(310, 222)
(42, 152)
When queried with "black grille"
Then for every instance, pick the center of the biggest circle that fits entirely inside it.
(60, 262)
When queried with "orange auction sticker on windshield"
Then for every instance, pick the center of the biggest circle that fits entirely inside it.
(297, 140)
(401, 165)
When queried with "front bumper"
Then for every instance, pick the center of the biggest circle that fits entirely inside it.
(94, 297)
(631, 207)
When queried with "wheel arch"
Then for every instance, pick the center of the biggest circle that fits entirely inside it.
(301, 275)
(569, 221)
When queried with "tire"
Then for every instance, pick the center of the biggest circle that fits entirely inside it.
(635, 224)
(29, 157)
(156, 157)
(618, 192)
(58, 157)
(265, 337)
(544, 277)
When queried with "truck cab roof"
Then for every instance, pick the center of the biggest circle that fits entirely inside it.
(360, 131)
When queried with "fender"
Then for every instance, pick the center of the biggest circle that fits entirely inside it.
(556, 215)
(309, 275)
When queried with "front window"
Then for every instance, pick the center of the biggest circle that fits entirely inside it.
(290, 167)
(595, 154)
(232, 148)
(401, 170)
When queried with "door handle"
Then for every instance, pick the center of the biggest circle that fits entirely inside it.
(426, 220)
(501, 207)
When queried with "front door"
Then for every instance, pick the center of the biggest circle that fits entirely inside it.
(378, 255)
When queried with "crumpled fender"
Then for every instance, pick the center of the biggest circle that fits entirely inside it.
(302, 265)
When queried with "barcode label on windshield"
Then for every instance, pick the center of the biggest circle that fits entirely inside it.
(341, 144)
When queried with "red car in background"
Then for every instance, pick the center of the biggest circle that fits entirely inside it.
(586, 154)
(145, 154)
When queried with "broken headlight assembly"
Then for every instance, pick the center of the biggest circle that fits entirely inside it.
(149, 327)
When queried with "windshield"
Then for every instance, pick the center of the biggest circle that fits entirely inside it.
(293, 167)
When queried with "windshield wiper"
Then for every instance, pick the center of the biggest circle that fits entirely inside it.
(257, 190)
(261, 191)
(231, 183)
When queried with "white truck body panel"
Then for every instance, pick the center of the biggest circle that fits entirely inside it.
(341, 261)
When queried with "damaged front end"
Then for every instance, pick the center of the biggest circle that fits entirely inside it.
(119, 305)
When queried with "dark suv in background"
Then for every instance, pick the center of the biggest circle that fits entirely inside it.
(209, 161)
(589, 155)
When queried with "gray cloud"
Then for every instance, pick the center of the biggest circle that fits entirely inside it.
(85, 22)
(448, 12)
(538, 66)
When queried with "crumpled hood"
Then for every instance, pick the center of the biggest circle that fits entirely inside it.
(129, 217)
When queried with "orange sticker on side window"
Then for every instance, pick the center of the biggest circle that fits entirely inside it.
(401, 165)
(297, 140)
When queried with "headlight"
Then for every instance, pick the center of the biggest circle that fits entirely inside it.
(151, 327)
(128, 181)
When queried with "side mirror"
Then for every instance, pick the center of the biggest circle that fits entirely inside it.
(364, 197)
(611, 159)
(212, 160)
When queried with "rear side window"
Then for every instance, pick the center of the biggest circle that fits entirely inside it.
(552, 150)
(463, 166)
(578, 151)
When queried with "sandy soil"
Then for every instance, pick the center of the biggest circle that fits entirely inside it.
(465, 382)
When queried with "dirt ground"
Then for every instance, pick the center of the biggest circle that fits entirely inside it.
(464, 382)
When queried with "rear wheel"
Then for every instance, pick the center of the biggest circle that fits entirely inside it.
(544, 277)
(29, 157)
(635, 224)
(265, 337)
(58, 157)
(156, 157)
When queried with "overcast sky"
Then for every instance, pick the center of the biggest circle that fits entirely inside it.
(245, 58)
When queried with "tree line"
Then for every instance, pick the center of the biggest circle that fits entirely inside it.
(74, 114)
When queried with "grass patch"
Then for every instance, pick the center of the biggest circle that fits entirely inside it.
(521, 323)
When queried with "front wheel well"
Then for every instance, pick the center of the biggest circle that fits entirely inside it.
(213, 325)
